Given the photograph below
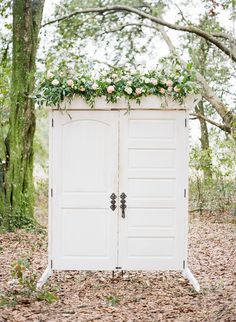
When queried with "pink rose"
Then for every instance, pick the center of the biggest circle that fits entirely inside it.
(162, 90)
(70, 83)
(95, 86)
(176, 89)
(110, 89)
(154, 82)
(169, 83)
(138, 91)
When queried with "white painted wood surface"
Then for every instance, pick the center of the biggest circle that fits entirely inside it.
(149, 102)
(85, 173)
(151, 147)
(94, 153)
(152, 173)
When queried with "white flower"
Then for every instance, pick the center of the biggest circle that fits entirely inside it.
(128, 90)
(55, 82)
(49, 75)
(133, 71)
(176, 89)
(129, 83)
(147, 81)
(114, 76)
(95, 86)
(142, 71)
(162, 90)
(108, 80)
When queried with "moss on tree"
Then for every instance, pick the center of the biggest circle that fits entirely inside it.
(18, 203)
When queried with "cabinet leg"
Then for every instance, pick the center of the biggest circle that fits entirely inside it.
(43, 279)
(191, 278)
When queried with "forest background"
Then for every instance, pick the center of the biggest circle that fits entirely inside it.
(70, 38)
(73, 37)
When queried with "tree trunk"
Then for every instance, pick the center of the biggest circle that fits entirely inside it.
(205, 144)
(201, 61)
(19, 187)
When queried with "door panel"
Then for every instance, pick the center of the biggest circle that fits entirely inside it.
(152, 165)
(85, 174)
(151, 171)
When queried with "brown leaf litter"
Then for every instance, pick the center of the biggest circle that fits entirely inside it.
(137, 296)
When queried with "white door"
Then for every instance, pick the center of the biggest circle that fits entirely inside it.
(85, 174)
(152, 174)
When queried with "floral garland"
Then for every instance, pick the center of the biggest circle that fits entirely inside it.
(116, 84)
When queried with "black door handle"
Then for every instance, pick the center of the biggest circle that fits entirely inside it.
(123, 204)
(113, 201)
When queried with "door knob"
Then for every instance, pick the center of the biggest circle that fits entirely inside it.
(113, 201)
(123, 204)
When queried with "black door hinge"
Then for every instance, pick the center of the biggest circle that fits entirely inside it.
(52, 122)
(185, 122)
(118, 267)
(184, 193)
(51, 263)
(183, 264)
(51, 192)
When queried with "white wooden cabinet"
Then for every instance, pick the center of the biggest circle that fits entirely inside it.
(97, 154)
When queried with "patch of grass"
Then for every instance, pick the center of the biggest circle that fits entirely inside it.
(8, 299)
(46, 295)
(113, 300)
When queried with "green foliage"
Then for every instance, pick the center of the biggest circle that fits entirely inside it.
(126, 44)
(117, 83)
(113, 300)
(19, 269)
(46, 295)
(215, 194)
(21, 220)
(8, 299)
(200, 159)
(24, 286)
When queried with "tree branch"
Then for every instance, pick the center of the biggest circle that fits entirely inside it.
(157, 20)
(130, 25)
(208, 93)
(220, 126)
(224, 36)
(181, 13)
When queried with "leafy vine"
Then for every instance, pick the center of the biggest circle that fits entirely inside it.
(117, 83)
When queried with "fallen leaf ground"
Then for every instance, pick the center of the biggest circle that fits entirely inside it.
(137, 296)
